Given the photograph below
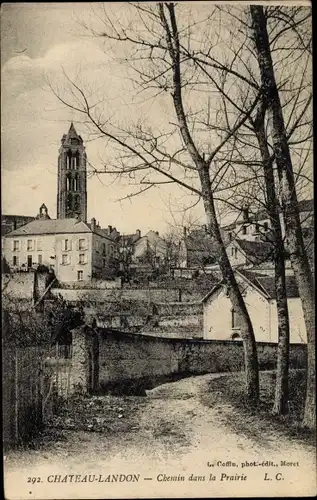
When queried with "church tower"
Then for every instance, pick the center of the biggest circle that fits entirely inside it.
(72, 177)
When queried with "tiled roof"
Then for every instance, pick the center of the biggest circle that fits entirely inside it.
(256, 251)
(266, 284)
(129, 239)
(303, 206)
(51, 226)
(200, 241)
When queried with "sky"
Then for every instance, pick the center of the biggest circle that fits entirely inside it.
(38, 42)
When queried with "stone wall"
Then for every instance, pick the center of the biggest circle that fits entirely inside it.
(127, 360)
(138, 294)
(81, 345)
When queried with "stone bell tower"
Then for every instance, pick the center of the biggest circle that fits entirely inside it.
(72, 177)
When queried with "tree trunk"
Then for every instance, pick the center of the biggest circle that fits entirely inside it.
(247, 334)
(281, 387)
(293, 233)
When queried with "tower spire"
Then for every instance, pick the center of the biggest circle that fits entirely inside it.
(72, 177)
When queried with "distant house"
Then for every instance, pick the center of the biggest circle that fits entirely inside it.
(254, 225)
(221, 321)
(75, 250)
(244, 252)
(197, 249)
(150, 249)
(11, 222)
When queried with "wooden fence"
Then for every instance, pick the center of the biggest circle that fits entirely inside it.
(23, 388)
(32, 379)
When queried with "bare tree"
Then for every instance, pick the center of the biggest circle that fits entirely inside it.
(193, 163)
(294, 237)
(295, 103)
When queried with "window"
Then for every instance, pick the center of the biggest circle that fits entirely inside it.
(65, 260)
(39, 258)
(233, 319)
(103, 249)
(81, 244)
(15, 260)
(236, 336)
(30, 245)
(29, 260)
(230, 236)
(66, 245)
(39, 245)
(16, 245)
(81, 258)
(244, 229)
(80, 275)
(266, 226)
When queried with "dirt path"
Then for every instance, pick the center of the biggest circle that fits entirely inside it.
(176, 430)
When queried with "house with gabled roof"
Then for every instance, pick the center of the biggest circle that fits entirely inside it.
(245, 253)
(197, 249)
(254, 224)
(221, 321)
(74, 249)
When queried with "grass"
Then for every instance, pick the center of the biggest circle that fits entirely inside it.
(250, 421)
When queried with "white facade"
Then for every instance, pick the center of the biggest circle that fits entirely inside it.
(235, 254)
(74, 257)
(220, 324)
(153, 243)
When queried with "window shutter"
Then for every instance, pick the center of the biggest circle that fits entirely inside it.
(86, 244)
(12, 244)
(70, 244)
(77, 244)
(63, 245)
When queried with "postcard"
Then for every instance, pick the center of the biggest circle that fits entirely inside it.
(157, 250)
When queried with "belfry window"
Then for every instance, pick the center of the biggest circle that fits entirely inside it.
(68, 159)
(73, 162)
(77, 158)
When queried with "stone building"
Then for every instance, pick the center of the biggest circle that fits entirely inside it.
(222, 322)
(72, 177)
(74, 249)
(11, 222)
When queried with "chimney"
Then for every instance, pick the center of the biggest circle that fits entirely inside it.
(138, 233)
(109, 229)
(93, 224)
(185, 230)
(157, 233)
(245, 214)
